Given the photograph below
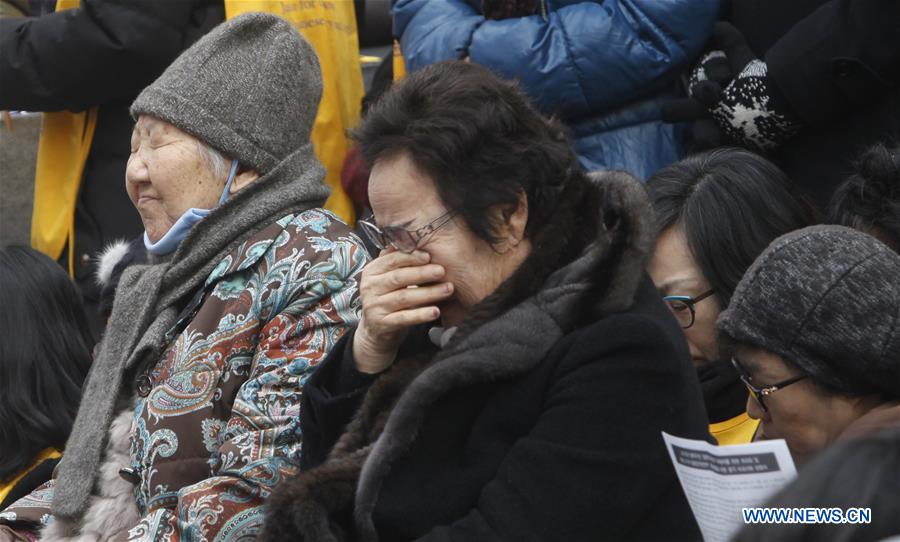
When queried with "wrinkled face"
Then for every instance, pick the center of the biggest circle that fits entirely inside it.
(805, 416)
(403, 196)
(675, 272)
(167, 174)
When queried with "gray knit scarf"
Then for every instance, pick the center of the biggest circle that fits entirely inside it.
(145, 309)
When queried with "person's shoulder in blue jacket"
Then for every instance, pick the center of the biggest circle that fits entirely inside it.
(600, 65)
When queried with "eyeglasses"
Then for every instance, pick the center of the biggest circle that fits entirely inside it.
(759, 393)
(683, 307)
(403, 240)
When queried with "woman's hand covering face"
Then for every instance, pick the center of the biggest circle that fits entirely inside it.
(397, 291)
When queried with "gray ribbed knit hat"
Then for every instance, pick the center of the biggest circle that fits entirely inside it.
(250, 88)
(826, 298)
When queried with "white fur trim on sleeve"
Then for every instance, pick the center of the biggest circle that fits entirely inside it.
(108, 259)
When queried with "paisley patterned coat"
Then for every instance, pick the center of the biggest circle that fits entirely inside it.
(216, 420)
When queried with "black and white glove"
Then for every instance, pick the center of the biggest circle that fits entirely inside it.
(744, 109)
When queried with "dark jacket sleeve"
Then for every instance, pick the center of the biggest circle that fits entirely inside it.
(581, 58)
(104, 51)
(615, 390)
(331, 397)
(335, 391)
(842, 57)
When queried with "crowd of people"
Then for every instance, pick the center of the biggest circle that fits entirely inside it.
(561, 255)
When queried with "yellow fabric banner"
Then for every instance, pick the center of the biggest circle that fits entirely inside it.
(62, 152)
(330, 26)
(399, 64)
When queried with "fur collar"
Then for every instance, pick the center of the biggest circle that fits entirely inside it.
(111, 509)
(543, 301)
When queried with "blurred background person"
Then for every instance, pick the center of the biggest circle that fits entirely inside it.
(812, 83)
(869, 200)
(814, 330)
(45, 355)
(603, 67)
(715, 213)
(87, 62)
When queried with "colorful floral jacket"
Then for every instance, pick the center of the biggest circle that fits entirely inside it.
(216, 422)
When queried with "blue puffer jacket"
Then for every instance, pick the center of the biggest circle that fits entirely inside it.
(603, 66)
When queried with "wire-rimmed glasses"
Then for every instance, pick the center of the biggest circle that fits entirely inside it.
(759, 393)
(402, 239)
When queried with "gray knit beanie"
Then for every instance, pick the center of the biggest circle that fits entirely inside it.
(827, 299)
(250, 88)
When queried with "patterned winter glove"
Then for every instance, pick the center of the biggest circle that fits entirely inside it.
(744, 110)
(711, 74)
(748, 112)
(713, 71)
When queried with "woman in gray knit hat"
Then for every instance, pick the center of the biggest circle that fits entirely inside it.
(814, 328)
(190, 414)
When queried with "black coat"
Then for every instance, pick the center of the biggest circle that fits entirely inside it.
(836, 64)
(101, 54)
(518, 431)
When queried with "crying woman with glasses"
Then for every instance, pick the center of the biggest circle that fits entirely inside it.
(715, 213)
(512, 355)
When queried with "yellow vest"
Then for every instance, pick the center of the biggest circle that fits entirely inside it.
(329, 25)
(49, 453)
(737, 430)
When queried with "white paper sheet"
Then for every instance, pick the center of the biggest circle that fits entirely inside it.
(719, 481)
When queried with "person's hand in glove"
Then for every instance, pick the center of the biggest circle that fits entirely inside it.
(744, 109)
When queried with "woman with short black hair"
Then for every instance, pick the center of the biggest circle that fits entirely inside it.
(45, 355)
(715, 212)
(513, 367)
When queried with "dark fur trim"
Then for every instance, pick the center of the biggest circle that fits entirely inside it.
(585, 264)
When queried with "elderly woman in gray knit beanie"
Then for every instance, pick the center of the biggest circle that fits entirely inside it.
(190, 414)
(814, 327)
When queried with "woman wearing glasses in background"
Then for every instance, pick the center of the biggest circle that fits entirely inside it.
(715, 212)
(814, 331)
(513, 366)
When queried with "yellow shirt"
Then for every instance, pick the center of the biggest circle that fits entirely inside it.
(49, 453)
(737, 430)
